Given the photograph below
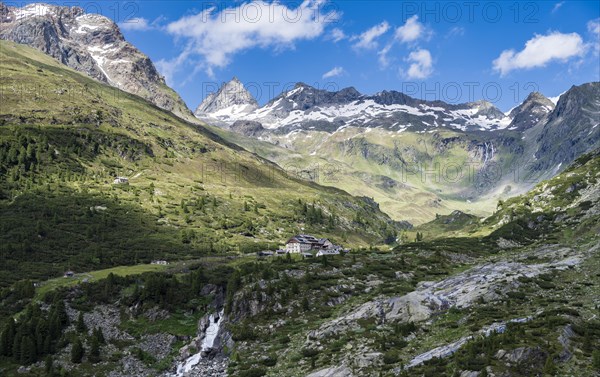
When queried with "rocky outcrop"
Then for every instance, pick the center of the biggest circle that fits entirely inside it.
(572, 129)
(332, 372)
(534, 109)
(486, 282)
(218, 294)
(469, 373)
(231, 102)
(248, 128)
(530, 358)
(503, 243)
(565, 340)
(91, 44)
(448, 350)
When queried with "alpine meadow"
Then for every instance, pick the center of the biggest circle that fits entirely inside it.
(300, 189)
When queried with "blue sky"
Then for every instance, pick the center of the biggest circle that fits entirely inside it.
(454, 51)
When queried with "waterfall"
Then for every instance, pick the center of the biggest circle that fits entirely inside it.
(210, 335)
(487, 152)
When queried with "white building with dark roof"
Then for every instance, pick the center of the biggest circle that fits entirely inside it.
(303, 243)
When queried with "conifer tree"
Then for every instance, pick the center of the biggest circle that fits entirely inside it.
(549, 367)
(49, 365)
(61, 312)
(305, 303)
(16, 347)
(98, 334)
(80, 326)
(77, 352)
(94, 356)
(7, 338)
(596, 360)
(28, 353)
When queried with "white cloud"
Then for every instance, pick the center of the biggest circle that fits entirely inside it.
(456, 31)
(384, 61)
(410, 31)
(137, 24)
(593, 27)
(217, 36)
(422, 64)
(336, 71)
(539, 51)
(168, 68)
(557, 6)
(368, 39)
(337, 35)
(142, 24)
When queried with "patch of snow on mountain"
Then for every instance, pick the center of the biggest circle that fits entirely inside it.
(294, 91)
(33, 10)
(98, 53)
(90, 22)
(232, 112)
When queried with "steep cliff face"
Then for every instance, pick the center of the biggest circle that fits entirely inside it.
(91, 44)
(533, 110)
(571, 129)
(232, 101)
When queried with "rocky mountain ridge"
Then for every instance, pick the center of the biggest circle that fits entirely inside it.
(359, 141)
(534, 108)
(231, 101)
(306, 107)
(91, 44)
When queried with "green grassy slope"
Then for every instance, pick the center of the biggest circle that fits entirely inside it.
(413, 176)
(65, 137)
(556, 206)
(563, 221)
(453, 225)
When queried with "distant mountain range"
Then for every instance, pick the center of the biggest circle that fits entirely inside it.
(306, 107)
(376, 139)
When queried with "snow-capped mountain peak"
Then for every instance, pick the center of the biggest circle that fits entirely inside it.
(307, 107)
(91, 44)
(231, 102)
(535, 107)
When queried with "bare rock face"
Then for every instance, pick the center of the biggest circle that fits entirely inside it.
(531, 359)
(486, 282)
(531, 111)
(248, 128)
(232, 101)
(332, 372)
(91, 44)
(572, 127)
